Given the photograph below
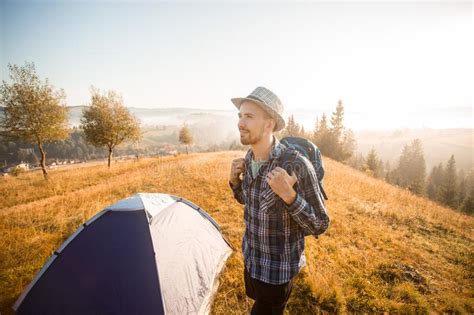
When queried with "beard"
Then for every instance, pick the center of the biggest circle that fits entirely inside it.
(248, 138)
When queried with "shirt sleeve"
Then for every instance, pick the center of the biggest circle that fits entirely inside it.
(308, 209)
(238, 193)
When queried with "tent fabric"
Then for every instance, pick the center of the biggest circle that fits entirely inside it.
(147, 254)
(198, 252)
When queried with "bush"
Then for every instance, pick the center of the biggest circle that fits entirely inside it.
(17, 171)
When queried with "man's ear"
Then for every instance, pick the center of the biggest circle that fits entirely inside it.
(272, 123)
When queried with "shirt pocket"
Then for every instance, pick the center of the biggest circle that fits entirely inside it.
(272, 238)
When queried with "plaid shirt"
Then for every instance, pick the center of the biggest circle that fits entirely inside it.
(273, 242)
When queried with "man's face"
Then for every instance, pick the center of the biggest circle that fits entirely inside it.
(253, 124)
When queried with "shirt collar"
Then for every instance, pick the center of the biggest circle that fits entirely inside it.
(275, 151)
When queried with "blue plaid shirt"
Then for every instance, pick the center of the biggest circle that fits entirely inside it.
(273, 242)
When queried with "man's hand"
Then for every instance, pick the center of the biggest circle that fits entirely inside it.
(238, 167)
(282, 184)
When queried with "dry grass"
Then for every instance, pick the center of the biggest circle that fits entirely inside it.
(386, 249)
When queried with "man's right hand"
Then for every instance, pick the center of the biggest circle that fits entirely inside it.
(238, 167)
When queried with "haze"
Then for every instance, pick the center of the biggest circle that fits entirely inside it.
(394, 65)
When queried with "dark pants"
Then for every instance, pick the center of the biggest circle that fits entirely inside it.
(269, 299)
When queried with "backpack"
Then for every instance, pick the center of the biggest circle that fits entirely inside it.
(310, 151)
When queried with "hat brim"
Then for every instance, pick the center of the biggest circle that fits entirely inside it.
(280, 122)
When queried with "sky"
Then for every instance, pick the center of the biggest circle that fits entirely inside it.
(393, 64)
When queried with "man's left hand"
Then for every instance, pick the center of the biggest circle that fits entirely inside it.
(282, 184)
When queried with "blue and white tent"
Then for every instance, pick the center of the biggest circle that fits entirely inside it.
(147, 254)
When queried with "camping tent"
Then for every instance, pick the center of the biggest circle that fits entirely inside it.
(147, 254)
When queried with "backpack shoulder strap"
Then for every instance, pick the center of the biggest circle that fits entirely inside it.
(287, 158)
(286, 161)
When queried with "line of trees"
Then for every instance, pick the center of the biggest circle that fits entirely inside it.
(444, 184)
(35, 113)
(75, 147)
(452, 188)
(332, 138)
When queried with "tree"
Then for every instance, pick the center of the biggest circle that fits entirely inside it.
(357, 161)
(336, 120)
(292, 128)
(388, 172)
(35, 112)
(335, 142)
(316, 128)
(107, 122)
(449, 185)
(302, 132)
(79, 154)
(467, 205)
(411, 170)
(347, 146)
(462, 187)
(236, 146)
(322, 136)
(435, 180)
(373, 164)
(185, 137)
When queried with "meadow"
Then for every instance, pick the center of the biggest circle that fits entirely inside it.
(386, 249)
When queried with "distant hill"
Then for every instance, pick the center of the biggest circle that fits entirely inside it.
(208, 126)
(438, 144)
(164, 116)
(211, 126)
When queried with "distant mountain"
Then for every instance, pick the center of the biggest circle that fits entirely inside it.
(164, 116)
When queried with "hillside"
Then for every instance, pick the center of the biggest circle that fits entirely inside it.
(386, 249)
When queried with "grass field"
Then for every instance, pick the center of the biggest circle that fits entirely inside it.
(385, 251)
